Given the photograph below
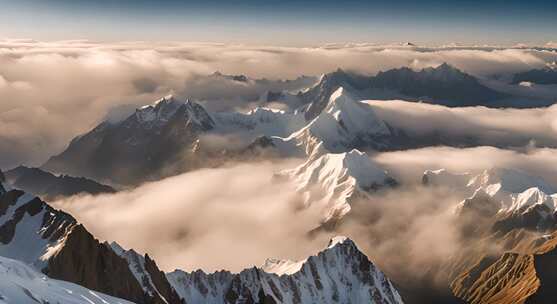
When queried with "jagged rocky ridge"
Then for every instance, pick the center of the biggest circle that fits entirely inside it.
(339, 274)
(50, 241)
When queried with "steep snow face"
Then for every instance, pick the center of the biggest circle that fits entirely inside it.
(20, 283)
(318, 96)
(30, 230)
(530, 198)
(344, 124)
(338, 274)
(280, 267)
(331, 181)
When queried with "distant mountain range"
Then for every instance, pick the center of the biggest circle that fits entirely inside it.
(173, 136)
(444, 85)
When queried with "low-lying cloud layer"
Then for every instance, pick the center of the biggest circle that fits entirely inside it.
(51, 92)
(226, 218)
(473, 125)
(409, 166)
(238, 215)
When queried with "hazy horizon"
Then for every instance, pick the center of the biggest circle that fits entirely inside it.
(287, 23)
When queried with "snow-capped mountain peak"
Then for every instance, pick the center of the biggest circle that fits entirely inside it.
(332, 180)
(338, 274)
(532, 197)
(337, 240)
(343, 124)
(163, 110)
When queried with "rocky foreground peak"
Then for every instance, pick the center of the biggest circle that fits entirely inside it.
(338, 274)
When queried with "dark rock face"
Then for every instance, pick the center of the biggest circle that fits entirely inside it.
(2, 180)
(545, 265)
(49, 186)
(161, 283)
(85, 261)
(154, 142)
(538, 76)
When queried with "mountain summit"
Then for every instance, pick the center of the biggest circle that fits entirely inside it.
(155, 137)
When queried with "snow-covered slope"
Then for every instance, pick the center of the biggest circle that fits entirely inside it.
(30, 230)
(342, 125)
(317, 97)
(21, 283)
(332, 181)
(338, 274)
(52, 242)
(260, 121)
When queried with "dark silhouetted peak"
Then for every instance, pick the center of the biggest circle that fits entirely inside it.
(443, 84)
(50, 186)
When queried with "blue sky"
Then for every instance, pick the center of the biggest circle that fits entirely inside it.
(283, 22)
